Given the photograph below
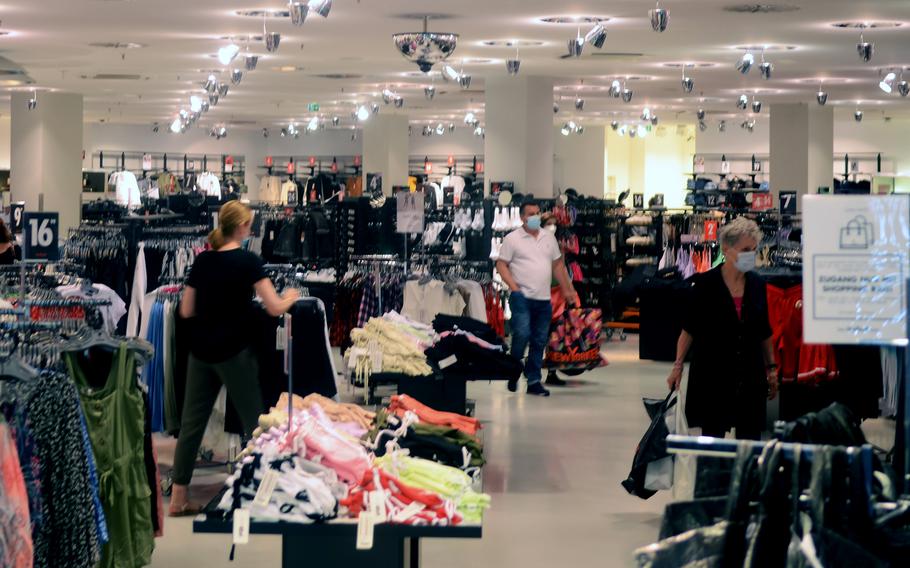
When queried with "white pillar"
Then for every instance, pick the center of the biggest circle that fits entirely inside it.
(385, 149)
(46, 155)
(802, 146)
(519, 133)
(580, 161)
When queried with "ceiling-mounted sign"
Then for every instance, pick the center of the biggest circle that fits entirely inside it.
(856, 252)
(313, 107)
(42, 234)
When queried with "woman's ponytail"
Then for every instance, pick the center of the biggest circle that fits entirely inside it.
(216, 239)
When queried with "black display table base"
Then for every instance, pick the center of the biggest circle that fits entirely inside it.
(334, 544)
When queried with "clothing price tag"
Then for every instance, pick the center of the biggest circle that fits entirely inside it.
(281, 338)
(448, 362)
(365, 531)
(377, 506)
(405, 514)
(241, 526)
(266, 488)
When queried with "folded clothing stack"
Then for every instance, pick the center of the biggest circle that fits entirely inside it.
(442, 444)
(402, 404)
(471, 350)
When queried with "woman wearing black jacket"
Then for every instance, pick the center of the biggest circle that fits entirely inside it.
(732, 368)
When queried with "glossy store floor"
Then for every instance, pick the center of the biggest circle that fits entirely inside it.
(555, 467)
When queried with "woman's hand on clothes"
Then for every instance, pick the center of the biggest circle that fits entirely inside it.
(773, 384)
(675, 377)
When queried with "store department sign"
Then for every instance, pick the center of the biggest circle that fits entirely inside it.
(855, 269)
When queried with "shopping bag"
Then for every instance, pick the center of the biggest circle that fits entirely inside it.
(857, 234)
(659, 475)
(651, 448)
(684, 466)
(575, 340)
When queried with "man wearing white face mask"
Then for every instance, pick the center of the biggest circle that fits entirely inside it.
(726, 327)
(528, 260)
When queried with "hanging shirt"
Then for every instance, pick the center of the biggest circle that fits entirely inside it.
(455, 182)
(126, 189)
(208, 184)
(423, 302)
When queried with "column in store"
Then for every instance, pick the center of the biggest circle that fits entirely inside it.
(46, 154)
(385, 150)
(802, 143)
(519, 133)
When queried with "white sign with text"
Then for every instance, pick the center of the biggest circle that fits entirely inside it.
(855, 269)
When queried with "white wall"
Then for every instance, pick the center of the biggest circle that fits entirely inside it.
(580, 161)
(4, 142)
(873, 135)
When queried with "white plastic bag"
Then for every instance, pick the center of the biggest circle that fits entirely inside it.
(684, 466)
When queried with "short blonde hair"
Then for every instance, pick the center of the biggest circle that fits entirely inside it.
(732, 232)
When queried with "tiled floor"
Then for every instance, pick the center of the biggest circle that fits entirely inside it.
(555, 467)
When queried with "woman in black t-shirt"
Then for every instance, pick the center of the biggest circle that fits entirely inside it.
(7, 246)
(219, 298)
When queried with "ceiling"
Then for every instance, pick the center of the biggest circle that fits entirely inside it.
(174, 43)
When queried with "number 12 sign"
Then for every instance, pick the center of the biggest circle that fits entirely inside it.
(42, 231)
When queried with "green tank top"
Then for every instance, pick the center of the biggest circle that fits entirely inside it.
(115, 416)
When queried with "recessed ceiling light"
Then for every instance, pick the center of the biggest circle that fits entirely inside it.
(4, 33)
(512, 43)
(765, 47)
(760, 8)
(287, 68)
(117, 45)
(263, 13)
(242, 38)
(574, 19)
(689, 64)
(867, 24)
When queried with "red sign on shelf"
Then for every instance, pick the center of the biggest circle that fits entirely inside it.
(269, 162)
(291, 167)
(312, 161)
(762, 201)
(710, 230)
(357, 161)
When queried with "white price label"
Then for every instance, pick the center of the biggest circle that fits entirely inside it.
(448, 362)
(377, 506)
(405, 514)
(365, 531)
(266, 488)
(241, 526)
(281, 338)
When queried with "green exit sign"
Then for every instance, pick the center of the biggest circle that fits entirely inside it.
(313, 107)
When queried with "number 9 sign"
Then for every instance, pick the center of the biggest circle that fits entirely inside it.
(41, 231)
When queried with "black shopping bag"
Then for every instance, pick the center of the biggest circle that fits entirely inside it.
(652, 447)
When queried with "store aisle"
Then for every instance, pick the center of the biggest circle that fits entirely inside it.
(554, 473)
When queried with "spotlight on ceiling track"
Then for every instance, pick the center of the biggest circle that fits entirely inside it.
(440, 129)
(887, 82)
(615, 89)
(865, 49)
(687, 83)
(579, 104)
(766, 68)
(470, 118)
(313, 124)
(646, 113)
(236, 76)
(449, 73)
(654, 120)
(362, 113)
(903, 87)
(321, 7)
(555, 108)
(614, 125)
(272, 41)
(223, 90)
(479, 131)
(722, 126)
(512, 66)
(821, 97)
(576, 45)
(265, 132)
(744, 65)
(429, 92)
(388, 96)
(195, 104)
(465, 81)
(641, 131)
(336, 121)
(756, 106)
(858, 115)
(206, 106)
(398, 102)
(374, 108)
(451, 127)
(227, 53)
(298, 12)
(211, 84)
(626, 95)
(214, 98)
(250, 62)
(284, 132)
(156, 128)
(660, 18)
(597, 36)
(702, 125)
(743, 102)
(622, 130)
(177, 126)
(700, 114)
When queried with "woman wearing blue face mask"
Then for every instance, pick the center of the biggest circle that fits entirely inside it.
(727, 333)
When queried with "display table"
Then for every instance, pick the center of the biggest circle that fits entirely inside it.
(334, 543)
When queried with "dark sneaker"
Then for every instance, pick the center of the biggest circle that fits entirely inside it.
(513, 386)
(538, 389)
(554, 381)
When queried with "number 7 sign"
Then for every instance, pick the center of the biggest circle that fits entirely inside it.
(41, 232)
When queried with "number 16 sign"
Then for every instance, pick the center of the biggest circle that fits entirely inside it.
(41, 232)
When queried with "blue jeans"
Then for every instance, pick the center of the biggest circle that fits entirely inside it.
(530, 325)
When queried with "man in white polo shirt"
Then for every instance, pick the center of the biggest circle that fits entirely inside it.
(528, 261)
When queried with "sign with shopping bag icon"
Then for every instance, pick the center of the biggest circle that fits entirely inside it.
(856, 261)
(858, 234)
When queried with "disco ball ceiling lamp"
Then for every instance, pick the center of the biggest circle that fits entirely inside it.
(425, 48)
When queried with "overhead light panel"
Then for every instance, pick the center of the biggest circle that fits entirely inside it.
(228, 53)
